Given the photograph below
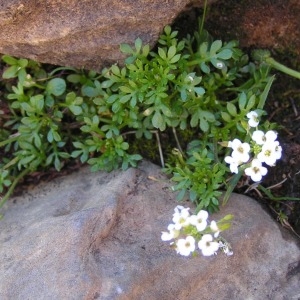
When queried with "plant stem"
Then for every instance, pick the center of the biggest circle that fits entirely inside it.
(12, 187)
(194, 62)
(203, 17)
(270, 196)
(10, 140)
(265, 93)
(159, 149)
(11, 162)
(278, 66)
(176, 139)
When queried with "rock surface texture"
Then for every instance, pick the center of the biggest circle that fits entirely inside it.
(97, 236)
(87, 34)
(81, 33)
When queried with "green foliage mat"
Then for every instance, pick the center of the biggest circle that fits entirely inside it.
(198, 86)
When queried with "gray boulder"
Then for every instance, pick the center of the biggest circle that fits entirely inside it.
(97, 236)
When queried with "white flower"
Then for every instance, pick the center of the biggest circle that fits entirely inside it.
(185, 246)
(214, 228)
(233, 165)
(180, 208)
(253, 119)
(242, 153)
(207, 245)
(199, 220)
(239, 155)
(181, 217)
(261, 138)
(270, 152)
(234, 144)
(256, 171)
(172, 234)
(240, 150)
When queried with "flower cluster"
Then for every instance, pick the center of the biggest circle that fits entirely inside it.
(265, 147)
(189, 231)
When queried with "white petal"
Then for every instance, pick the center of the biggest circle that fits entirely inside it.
(203, 214)
(258, 136)
(166, 236)
(235, 143)
(271, 136)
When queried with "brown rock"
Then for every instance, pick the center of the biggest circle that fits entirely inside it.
(81, 33)
(97, 236)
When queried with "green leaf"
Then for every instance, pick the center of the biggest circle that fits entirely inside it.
(27, 107)
(175, 59)
(125, 89)
(225, 116)
(199, 91)
(231, 108)
(162, 53)
(76, 110)
(50, 137)
(158, 121)
(125, 98)
(181, 195)
(37, 102)
(251, 102)
(195, 119)
(112, 98)
(225, 54)
(37, 141)
(10, 72)
(204, 68)
(74, 78)
(215, 201)
(207, 115)
(64, 154)
(215, 46)
(27, 159)
(56, 86)
(204, 125)
(9, 60)
(56, 136)
(23, 62)
(183, 95)
(203, 49)
(106, 84)
(49, 101)
(125, 48)
(242, 100)
(168, 30)
(125, 146)
(171, 52)
(116, 70)
(193, 195)
(138, 45)
(136, 157)
(146, 50)
(57, 163)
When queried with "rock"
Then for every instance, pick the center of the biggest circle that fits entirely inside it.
(81, 33)
(97, 236)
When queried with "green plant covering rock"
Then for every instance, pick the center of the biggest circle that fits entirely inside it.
(198, 84)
